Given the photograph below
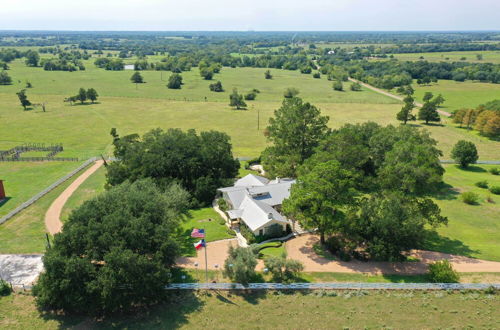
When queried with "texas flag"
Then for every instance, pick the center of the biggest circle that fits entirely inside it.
(199, 244)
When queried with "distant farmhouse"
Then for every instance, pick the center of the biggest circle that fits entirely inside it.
(255, 201)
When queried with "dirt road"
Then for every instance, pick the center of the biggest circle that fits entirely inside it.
(400, 98)
(301, 248)
(53, 222)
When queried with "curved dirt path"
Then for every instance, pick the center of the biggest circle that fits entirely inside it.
(400, 98)
(301, 248)
(53, 222)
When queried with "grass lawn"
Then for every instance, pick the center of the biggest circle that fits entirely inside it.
(90, 188)
(25, 232)
(473, 230)
(458, 95)
(23, 180)
(204, 218)
(298, 310)
(489, 56)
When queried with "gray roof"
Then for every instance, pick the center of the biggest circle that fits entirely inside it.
(253, 198)
(251, 180)
(257, 214)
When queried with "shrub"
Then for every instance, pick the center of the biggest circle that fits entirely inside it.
(291, 92)
(338, 86)
(482, 184)
(5, 288)
(249, 236)
(494, 171)
(306, 70)
(175, 81)
(250, 96)
(469, 198)
(495, 190)
(442, 272)
(356, 87)
(240, 264)
(283, 269)
(216, 87)
(274, 231)
(222, 203)
(316, 75)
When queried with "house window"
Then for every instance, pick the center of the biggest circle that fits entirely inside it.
(261, 232)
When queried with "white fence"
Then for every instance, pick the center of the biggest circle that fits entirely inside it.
(46, 190)
(332, 286)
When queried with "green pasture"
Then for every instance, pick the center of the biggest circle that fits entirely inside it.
(22, 180)
(279, 310)
(195, 88)
(25, 232)
(489, 56)
(458, 95)
(473, 230)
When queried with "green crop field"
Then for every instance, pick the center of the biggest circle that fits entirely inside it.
(279, 310)
(470, 56)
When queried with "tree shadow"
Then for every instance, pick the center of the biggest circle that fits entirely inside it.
(436, 242)
(251, 296)
(446, 192)
(395, 278)
(472, 168)
(4, 201)
(171, 314)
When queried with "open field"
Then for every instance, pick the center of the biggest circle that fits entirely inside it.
(278, 310)
(473, 230)
(22, 180)
(195, 88)
(470, 56)
(458, 95)
(25, 232)
(84, 130)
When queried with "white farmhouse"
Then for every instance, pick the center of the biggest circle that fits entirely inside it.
(256, 202)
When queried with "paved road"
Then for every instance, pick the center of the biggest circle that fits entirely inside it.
(397, 97)
(53, 216)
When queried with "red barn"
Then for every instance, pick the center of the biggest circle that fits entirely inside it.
(2, 191)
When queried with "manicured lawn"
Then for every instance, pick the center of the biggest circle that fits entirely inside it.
(23, 180)
(273, 249)
(473, 230)
(298, 310)
(204, 218)
(25, 232)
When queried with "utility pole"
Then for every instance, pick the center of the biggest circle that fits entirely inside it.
(258, 119)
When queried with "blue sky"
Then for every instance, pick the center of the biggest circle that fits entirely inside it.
(259, 15)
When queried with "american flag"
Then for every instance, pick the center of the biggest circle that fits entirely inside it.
(198, 233)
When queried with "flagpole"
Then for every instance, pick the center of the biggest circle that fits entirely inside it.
(206, 261)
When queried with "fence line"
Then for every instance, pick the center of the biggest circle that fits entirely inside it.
(46, 190)
(39, 159)
(332, 286)
(322, 286)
